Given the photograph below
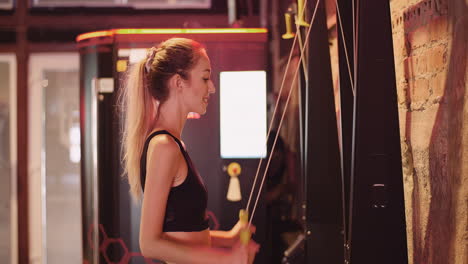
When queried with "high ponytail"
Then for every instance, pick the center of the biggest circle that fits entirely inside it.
(139, 116)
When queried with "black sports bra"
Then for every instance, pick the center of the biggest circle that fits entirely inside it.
(186, 203)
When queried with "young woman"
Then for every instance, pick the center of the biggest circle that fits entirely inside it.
(161, 90)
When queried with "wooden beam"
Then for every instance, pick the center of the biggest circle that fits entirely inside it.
(115, 21)
(126, 21)
(22, 131)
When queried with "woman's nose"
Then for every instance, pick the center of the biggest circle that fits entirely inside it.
(211, 88)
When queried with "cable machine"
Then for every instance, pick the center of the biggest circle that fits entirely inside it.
(353, 184)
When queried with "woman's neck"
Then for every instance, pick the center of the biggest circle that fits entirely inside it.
(172, 118)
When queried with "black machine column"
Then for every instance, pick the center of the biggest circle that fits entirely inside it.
(324, 225)
(346, 77)
(368, 190)
(377, 222)
(101, 199)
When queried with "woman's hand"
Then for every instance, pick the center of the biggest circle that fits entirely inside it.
(243, 254)
(236, 229)
(253, 249)
(227, 239)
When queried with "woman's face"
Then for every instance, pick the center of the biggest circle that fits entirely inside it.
(200, 86)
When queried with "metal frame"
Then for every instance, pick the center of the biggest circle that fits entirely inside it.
(13, 161)
(95, 166)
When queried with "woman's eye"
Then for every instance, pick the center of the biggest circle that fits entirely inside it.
(206, 79)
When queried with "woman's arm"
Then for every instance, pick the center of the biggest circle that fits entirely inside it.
(221, 238)
(229, 238)
(173, 252)
(164, 162)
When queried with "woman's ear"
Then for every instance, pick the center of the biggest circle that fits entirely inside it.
(172, 82)
(177, 82)
(181, 82)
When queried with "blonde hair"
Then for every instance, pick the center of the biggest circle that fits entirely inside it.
(146, 83)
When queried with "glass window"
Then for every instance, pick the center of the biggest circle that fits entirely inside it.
(6, 4)
(73, 3)
(156, 4)
(55, 158)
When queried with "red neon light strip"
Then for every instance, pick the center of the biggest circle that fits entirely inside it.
(127, 31)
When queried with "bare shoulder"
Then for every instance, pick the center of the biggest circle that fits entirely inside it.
(163, 144)
(163, 150)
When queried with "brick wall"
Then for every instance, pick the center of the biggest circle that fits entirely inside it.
(430, 39)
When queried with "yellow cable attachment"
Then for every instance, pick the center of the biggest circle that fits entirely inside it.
(245, 233)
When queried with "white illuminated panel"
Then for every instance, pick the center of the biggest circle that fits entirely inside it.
(243, 114)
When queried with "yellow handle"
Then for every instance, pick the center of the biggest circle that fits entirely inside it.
(300, 14)
(244, 233)
(289, 33)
